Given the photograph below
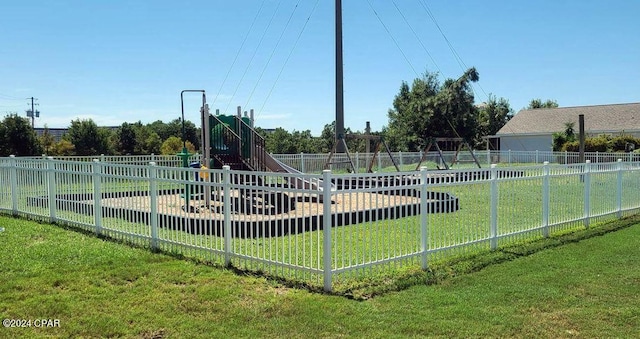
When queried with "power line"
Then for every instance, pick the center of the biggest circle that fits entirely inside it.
(456, 55)
(288, 56)
(392, 38)
(272, 52)
(238, 53)
(461, 63)
(253, 56)
(417, 37)
(9, 97)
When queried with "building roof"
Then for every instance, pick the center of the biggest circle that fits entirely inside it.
(615, 118)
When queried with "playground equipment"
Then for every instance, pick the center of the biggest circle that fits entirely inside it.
(450, 144)
(231, 140)
(379, 141)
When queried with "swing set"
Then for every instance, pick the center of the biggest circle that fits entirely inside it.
(457, 145)
(379, 142)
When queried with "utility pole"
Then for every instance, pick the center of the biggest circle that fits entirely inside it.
(33, 114)
(339, 81)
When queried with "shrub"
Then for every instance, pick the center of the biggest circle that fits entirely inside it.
(619, 143)
(601, 143)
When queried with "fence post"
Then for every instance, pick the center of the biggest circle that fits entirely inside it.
(424, 218)
(97, 195)
(493, 233)
(379, 162)
(587, 193)
(226, 198)
(401, 160)
(566, 157)
(153, 201)
(357, 169)
(51, 189)
(326, 230)
(13, 174)
(546, 197)
(619, 191)
(302, 169)
(537, 156)
(509, 157)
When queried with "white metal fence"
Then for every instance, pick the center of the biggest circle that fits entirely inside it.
(328, 229)
(382, 162)
(314, 163)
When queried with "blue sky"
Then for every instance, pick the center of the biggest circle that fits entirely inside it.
(116, 61)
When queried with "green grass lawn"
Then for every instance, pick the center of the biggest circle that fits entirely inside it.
(519, 209)
(584, 284)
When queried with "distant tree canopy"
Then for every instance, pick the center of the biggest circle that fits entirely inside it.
(88, 138)
(84, 137)
(429, 109)
(537, 103)
(281, 141)
(17, 137)
(174, 129)
(46, 140)
(173, 145)
(494, 114)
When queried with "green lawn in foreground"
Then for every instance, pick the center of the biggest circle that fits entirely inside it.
(96, 288)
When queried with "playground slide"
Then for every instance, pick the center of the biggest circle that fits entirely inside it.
(276, 166)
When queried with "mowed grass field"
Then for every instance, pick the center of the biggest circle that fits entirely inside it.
(580, 285)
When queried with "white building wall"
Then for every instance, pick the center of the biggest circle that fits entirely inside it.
(542, 142)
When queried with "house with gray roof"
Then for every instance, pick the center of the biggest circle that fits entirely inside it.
(532, 129)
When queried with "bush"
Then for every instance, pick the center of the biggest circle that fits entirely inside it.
(173, 145)
(619, 143)
(601, 143)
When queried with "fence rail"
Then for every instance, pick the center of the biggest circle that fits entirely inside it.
(333, 230)
(315, 162)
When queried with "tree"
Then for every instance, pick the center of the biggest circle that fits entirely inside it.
(126, 139)
(174, 128)
(88, 139)
(280, 141)
(494, 114)
(429, 109)
(173, 145)
(561, 139)
(154, 143)
(17, 137)
(46, 141)
(147, 140)
(305, 142)
(63, 147)
(537, 103)
(327, 139)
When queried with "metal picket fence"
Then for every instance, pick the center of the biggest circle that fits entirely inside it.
(324, 229)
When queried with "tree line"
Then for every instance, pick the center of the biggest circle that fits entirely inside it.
(421, 111)
(84, 137)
